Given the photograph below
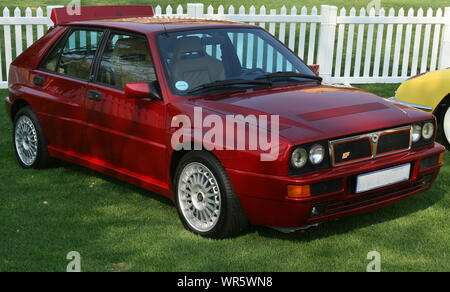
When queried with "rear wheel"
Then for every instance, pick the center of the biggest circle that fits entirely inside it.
(206, 200)
(29, 141)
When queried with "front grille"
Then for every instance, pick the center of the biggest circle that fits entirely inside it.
(340, 206)
(352, 150)
(371, 145)
(395, 141)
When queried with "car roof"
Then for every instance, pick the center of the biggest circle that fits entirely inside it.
(157, 23)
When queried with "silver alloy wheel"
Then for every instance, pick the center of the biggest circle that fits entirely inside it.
(26, 141)
(199, 197)
(446, 125)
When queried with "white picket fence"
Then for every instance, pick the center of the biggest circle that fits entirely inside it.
(373, 47)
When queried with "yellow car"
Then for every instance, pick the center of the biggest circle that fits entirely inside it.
(429, 92)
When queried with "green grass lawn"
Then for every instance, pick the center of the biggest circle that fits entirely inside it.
(118, 227)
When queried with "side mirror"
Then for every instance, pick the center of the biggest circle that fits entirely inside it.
(143, 90)
(314, 68)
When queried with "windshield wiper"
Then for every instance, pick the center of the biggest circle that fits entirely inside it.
(225, 83)
(289, 74)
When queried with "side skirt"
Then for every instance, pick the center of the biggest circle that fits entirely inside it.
(139, 180)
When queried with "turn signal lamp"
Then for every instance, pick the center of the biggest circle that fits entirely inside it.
(297, 192)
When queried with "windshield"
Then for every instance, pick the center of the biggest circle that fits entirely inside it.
(200, 61)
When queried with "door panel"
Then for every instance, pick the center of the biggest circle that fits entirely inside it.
(62, 114)
(127, 133)
(62, 81)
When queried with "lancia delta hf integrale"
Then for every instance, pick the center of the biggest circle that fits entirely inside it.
(218, 116)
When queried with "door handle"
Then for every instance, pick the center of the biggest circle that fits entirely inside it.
(38, 80)
(94, 95)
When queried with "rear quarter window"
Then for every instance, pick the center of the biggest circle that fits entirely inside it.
(51, 60)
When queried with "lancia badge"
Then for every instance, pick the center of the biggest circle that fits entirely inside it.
(375, 138)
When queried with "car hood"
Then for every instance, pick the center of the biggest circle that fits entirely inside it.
(317, 112)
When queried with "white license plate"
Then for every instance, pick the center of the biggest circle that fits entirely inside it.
(382, 178)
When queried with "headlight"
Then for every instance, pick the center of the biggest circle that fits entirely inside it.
(428, 131)
(316, 154)
(309, 158)
(416, 133)
(299, 158)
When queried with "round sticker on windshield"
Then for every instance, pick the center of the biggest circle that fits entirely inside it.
(182, 85)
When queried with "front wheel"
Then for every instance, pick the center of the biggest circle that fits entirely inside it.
(205, 198)
(445, 128)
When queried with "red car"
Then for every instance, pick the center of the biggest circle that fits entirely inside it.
(109, 89)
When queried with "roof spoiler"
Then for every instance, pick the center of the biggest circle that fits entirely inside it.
(65, 15)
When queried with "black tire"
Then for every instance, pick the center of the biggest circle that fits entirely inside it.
(444, 115)
(43, 159)
(232, 220)
(445, 138)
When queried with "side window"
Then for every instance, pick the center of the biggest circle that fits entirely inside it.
(75, 55)
(78, 53)
(52, 58)
(126, 59)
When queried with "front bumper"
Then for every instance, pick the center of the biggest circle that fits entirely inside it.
(266, 203)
